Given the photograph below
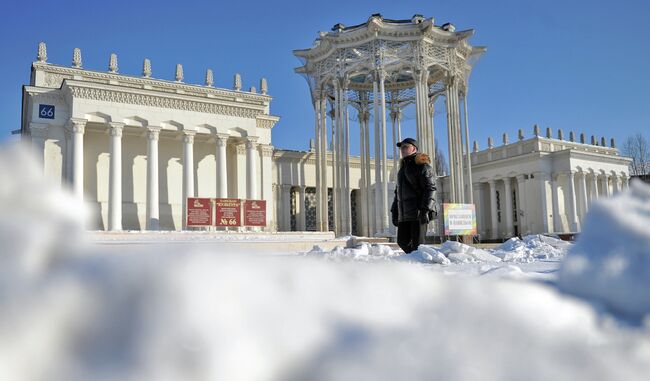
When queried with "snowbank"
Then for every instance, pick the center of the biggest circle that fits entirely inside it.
(528, 249)
(611, 260)
(531, 248)
(182, 314)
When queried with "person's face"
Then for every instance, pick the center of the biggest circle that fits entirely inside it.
(406, 149)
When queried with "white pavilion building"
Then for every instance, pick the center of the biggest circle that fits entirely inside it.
(134, 147)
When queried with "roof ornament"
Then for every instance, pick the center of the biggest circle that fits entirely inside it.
(520, 134)
(536, 130)
(560, 134)
(549, 133)
(490, 145)
(475, 146)
(264, 88)
(237, 82)
(42, 52)
(572, 136)
(417, 18)
(449, 27)
(179, 73)
(209, 78)
(146, 68)
(253, 90)
(338, 27)
(112, 63)
(505, 138)
(76, 58)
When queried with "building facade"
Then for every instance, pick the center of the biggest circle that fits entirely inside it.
(134, 147)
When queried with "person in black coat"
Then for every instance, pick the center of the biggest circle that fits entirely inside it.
(414, 204)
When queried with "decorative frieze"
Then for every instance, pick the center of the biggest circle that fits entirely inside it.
(117, 96)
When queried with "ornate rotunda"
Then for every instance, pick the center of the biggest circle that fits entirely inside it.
(377, 69)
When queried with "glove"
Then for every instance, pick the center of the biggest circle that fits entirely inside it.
(395, 219)
(423, 216)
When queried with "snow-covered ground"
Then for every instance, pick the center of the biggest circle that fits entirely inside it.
(534, 309)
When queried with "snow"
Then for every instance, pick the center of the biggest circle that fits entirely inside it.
(611, 261)
(70, 310)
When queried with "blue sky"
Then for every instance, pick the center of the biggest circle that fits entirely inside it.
(575, 65)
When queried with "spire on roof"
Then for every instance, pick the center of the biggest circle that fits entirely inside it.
(76, 58)
(42, 52)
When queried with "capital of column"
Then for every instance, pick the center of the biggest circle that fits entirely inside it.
(153, 133)
(452, 79)
(251, 142)
(492, 182)
(188, 136)
(342, 83)
(266, 150)
(77, 125)
(221, 139)
(115, 128)
(380, 74)
(520, 178)
(285, 187)
(421, 74)
(364, 116)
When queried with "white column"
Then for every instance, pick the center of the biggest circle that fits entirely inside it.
(286, 206)
(317, 165)
(377, 186)
(251, 169)
(323, 142)
(153, 215)
(468, 156)
(523, 210)
(336, 162)
(301, 217)
(68, 156)
(188, 171)
(78, 127)
(393, 122)
(115, 177)
(451, 133)
(605, 180)
(364, 180)
(508, 209)
(594, 186)
(616, 187)
(557, 221)
(542, 180)
(583, 195)
(384, 158)
(222, 165)
(625, 182)
(266, 166)
(572, 207)
(493, 210)
(367, 169)
(480, 208)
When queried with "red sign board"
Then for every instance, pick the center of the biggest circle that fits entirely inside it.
(199, 211)
(228, 212)
(254, 213)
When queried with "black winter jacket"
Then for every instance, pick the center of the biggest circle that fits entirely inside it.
(415, 190)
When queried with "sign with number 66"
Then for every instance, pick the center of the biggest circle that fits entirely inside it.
(46, 111)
